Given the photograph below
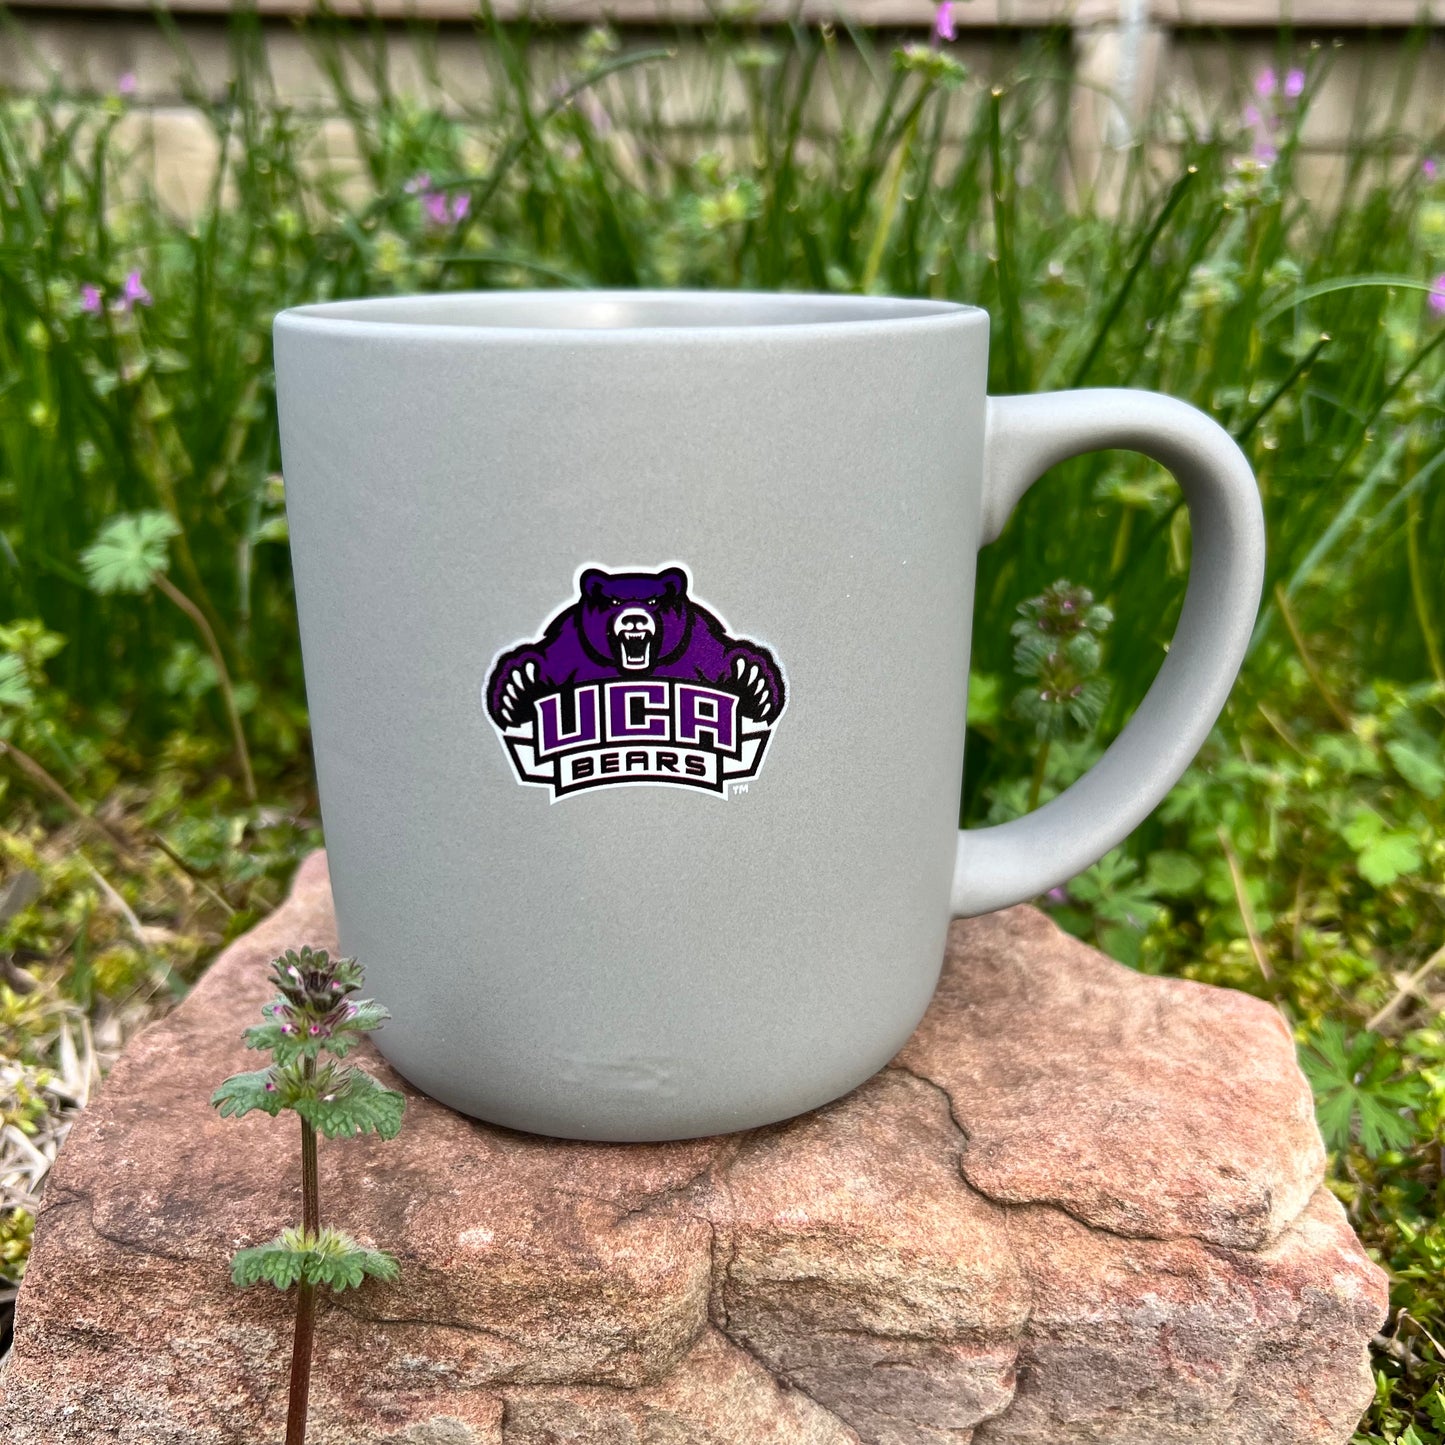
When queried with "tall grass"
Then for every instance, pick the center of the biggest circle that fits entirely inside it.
(1307, 331)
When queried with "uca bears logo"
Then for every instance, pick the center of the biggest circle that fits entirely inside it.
(635, 681)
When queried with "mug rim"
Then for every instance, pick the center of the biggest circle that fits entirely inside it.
(612, 315)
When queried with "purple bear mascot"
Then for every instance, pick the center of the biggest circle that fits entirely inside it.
(634, 625)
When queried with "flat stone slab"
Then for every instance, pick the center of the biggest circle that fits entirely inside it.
(1082, 1204)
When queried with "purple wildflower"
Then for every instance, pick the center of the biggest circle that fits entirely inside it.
(1059, 894)
(1429, 168)
(91, 299)
(1436, 298)
(1266, 83)
(418, 183)
(1294, 83)
(125, 85)
(1266, 152)
(133, 293)
(439, 210)
(1252, 117)
(943, 27)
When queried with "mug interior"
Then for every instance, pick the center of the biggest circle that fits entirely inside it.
(624, 310)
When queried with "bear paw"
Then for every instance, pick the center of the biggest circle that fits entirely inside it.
(754, 677)
(516, 684)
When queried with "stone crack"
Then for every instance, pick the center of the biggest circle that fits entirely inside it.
(1068, 1209)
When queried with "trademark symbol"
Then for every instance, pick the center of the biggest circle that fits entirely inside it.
(739, 788)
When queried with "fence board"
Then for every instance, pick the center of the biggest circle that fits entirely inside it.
(906, 14)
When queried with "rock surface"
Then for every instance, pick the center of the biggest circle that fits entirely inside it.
(1082, 1205)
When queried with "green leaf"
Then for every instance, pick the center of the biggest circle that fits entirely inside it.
(1362, 828)
(129, 552)
(1346, 755)
(1121, 943)
(346, 1270)
(1389, 857)
(268, 1038)
(31, 641)
(1359, 1090)
(369, 1015)
(1422, 769)
(342, 1038)
(1108, 877)
(1384, 854)
(242, 1093)
(276, 1263)
(15, 689)
(358, 1105)
(985, 699)
(188, 672)
(1088, 707)
(1083, 652)
(1172, 875)
(331, 1259)
(1032, 650)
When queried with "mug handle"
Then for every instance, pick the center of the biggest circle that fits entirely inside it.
(1024, 437)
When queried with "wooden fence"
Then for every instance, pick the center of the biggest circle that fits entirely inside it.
(1387, 72)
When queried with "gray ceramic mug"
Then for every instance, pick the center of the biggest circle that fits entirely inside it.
(636, 633)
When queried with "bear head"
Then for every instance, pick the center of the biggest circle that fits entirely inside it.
(634, 620)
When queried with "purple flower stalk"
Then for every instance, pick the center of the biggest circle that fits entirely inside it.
(1429, 168)
(91, 299)
(943, 26)
(1436, 299)
(1264, 121)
